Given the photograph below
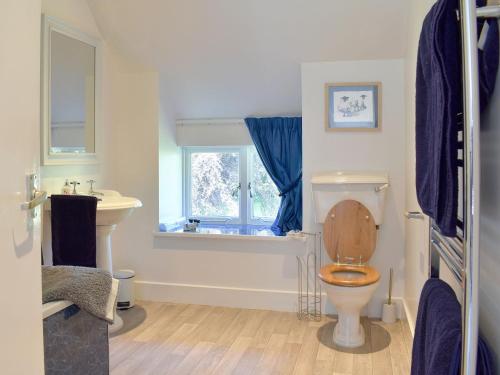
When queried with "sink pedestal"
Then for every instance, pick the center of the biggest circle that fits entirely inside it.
(104, 256)
(104, 260)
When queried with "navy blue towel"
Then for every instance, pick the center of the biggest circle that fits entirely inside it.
(438, 104)
(73, 219)
(438, 334)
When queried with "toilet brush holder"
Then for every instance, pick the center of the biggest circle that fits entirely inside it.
(389, 309)
(389, 313)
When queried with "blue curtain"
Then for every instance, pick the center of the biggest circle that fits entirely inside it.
(278, 141)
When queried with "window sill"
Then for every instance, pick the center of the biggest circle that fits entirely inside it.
(219, 236)
(229, 232)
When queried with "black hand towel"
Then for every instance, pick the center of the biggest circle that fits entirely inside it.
(438, 334)
(73, 230)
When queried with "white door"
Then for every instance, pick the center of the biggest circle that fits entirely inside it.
(21, 336)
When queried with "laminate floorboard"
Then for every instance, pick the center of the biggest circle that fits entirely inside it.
(166, 338)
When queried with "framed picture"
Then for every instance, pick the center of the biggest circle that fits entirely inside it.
(353, 106)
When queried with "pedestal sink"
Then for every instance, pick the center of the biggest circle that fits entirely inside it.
(111, 210)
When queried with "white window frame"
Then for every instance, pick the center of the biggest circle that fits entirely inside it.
(250, 218)
(245, 169)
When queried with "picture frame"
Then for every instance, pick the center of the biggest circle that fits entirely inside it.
(354, 106)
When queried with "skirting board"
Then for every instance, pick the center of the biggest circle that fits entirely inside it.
(245, 298)
(409, 316)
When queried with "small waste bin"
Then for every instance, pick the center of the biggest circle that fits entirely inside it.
(125, 299)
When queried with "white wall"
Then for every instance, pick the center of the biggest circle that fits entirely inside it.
(234, 58)
(169, 163)
(489, 292)
(133, 160)
(376, 151)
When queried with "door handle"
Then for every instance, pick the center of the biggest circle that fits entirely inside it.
(414, 215)
(39, 197)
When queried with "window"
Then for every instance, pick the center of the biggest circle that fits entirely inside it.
(215, 181)
(228, 185)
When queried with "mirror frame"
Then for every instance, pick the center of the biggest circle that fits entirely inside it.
(50, 24)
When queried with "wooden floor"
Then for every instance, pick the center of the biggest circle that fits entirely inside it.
(165, 338)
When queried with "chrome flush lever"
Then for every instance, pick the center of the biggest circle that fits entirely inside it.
(414, 215)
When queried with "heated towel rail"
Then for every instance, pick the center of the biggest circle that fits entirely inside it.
(461, 253)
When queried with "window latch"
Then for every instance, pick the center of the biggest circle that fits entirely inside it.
(250, 190)
(236, 191)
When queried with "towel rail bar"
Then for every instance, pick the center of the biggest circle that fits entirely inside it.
(457, 259)
(470, 304)
(451, 242)
(452, 263)
(488, 11)
(80, 195)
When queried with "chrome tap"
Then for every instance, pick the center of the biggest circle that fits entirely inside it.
(91, 190)
(74, 183)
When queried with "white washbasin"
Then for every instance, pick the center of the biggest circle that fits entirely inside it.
(112, 207)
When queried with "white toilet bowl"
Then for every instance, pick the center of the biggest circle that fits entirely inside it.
(349, 301)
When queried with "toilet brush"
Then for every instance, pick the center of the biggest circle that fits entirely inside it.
(389, 300)
(389, 309)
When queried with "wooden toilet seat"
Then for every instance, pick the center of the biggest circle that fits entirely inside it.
(350, 236)
(367, 275)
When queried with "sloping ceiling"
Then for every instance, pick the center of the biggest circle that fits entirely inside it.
(232, 58)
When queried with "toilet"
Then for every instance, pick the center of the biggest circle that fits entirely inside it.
(350, 207)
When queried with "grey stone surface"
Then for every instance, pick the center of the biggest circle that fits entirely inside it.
(76, 343)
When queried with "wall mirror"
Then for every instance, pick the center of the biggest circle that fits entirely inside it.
(70, 90)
